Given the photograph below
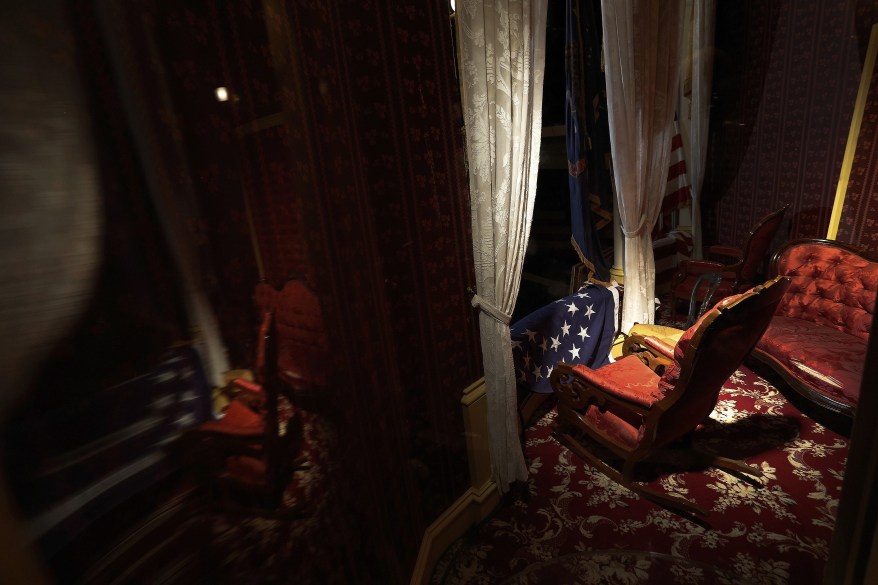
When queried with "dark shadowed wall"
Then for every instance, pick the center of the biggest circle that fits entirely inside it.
(786, 80)
(339, 157)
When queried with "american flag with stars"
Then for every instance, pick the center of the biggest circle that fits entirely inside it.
(576, 329)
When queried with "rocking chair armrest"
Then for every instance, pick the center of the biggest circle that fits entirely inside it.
(602, 392)
(658, 346)
(607, 397)
(725, 251)
(698, 267)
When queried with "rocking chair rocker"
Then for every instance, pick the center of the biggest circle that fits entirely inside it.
(628, 409)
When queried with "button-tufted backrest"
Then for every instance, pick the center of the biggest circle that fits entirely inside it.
(832, 285)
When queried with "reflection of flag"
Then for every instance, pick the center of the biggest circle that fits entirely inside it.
(577, 329)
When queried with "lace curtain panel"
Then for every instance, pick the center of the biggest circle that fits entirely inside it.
(502, 45)
(641, 50)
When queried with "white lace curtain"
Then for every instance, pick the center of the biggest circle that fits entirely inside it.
(641, 52)
(698, 61)
(502, 46)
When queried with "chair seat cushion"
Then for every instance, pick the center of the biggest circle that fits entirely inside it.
(628, 379)
(238, 421)
(827, 360)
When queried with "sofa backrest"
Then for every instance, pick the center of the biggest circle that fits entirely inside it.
(833, 284)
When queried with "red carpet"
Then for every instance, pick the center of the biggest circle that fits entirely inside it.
(250, 549)
(577, 526)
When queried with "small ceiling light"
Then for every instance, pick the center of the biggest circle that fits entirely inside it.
(222, 95)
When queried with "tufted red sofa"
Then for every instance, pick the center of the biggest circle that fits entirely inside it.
(817, 338)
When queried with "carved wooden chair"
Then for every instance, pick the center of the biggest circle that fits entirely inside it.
(741, 267)
(632, 412)
(303, 362)
(704, 289)
(248, 456)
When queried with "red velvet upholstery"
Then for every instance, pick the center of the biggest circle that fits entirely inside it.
(690, 270)
(741, 272)
(831, 286)
(303, 353)
(671, 376)
(238, 420)
(248, 455)
(756, 249)
(829, 361)
(629, 380)
(817, 340)
(633, 411)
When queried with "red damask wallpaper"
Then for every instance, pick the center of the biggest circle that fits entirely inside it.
(859, 217)
(339, 157)
(786, 79)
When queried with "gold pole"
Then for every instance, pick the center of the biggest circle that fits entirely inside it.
(853, 135)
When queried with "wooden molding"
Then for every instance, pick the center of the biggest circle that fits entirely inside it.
(477, 502)
(469, 509)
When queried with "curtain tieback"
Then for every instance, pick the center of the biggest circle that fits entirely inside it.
(489, 308)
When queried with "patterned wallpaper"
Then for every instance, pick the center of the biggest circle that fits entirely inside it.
(342, 145)
(786, 81)
(389, 221)
(859, 217)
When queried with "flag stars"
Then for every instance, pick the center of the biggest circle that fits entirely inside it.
(544, 345)
(556, 343)
(565, 329)
(589, 310)
(583, 333)
(574, 353)
(572, 308)
(537, 372)
(516, 344)
(583, 295)
(531, 335)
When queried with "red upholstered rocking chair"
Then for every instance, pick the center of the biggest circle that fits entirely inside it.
(628, 409)
(247, 459)
(740, 268)
(303, 361)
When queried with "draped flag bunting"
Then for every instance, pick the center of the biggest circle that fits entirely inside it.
(576, 329)
(588, 138)
(677, 193)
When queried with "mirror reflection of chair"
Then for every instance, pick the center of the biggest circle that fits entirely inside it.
(303, 351)
(248, 456)
(627, 409)
(741, 267)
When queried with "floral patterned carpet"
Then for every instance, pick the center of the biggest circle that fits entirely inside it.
(247, 549)
(574, 525)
